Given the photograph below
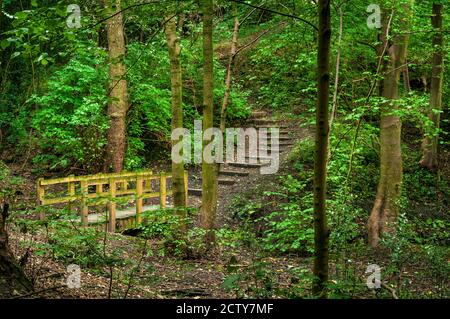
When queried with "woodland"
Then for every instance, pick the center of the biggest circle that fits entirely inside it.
(345, 100)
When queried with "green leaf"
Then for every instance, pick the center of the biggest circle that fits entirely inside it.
(22, 15)
(4, 44)
(229, 282)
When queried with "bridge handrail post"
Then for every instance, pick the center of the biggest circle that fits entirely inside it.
(71, 191)
(186, 187)
(112, 206)
(41, 195)
(139, 199)
(162, 190)
(84, 206)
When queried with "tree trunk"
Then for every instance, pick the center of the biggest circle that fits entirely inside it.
(336, 78)
(384, 213)
(13, 281)
(406, 78)
(178, 186)
(320, 163)
(118, 103)
(338, 64)
(430, 144)
(226, 98)
(209, 174)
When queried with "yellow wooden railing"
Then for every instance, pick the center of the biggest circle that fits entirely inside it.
(119, 185)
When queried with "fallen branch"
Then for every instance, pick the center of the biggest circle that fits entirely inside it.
(38, 292)
(392, 290)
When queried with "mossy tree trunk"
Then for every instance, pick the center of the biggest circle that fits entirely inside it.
(209, 173)
(178, 186)
(383, 216)
(320, 162)
(430, 144)
(118, 99)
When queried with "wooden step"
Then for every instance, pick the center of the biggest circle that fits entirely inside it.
(281, 138)
(195, 191)
(233, 173)
(261, 149)
(282, 144)
(249, 165)
(285, 133)
(279, 141)
(258, 114)
(281, 130)
(260, 158)
(225, 181)
(270, 152)
(269, 148)
(265, 121)
(281, 127)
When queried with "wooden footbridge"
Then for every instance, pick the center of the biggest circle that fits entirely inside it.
(109, 189)
(145, 191)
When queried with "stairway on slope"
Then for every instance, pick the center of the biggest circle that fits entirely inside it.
(234, 172)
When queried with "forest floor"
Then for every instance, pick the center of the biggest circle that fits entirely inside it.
(158, 274)
(123, 266)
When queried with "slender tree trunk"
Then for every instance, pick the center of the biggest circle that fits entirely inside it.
(118, 104)
(226, 98)
(406, 79)
(430, 144)
(13, 281)
(209, 178)
(336, 78)
(338, 65)
(384, 213)
(173, 42)
(320, 163)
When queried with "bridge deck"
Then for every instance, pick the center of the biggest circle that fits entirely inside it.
(120, 214)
